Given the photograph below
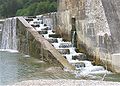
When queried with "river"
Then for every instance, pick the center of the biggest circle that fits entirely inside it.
(14, 67)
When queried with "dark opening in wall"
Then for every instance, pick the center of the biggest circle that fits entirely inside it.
(73, 33)
(73, 24)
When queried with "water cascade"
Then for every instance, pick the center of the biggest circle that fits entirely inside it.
(9, 41)
(73, 39)
(67, 49)
(1, 25)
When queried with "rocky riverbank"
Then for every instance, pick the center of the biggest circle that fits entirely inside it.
(66, 83)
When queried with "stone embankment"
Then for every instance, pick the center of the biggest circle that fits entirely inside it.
(66, 83)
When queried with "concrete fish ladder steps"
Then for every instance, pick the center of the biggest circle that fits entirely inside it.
(65, 48)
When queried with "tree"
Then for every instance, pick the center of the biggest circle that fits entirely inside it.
(10, 8)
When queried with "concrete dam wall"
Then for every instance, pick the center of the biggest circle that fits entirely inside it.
(96, 23)
(35, 36)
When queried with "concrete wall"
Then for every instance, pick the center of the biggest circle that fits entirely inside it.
(30, 42)
(51, 19)
(112, 11)
(97, 35)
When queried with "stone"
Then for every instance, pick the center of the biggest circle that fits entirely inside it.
(64, 51)
(79, 57)
(29, 19)
(53, 40)
(43, 32)
(65, 45)
(31, 16)
(35, 25)
(79, 65)
(55, 35)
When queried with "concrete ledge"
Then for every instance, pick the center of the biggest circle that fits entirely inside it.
(67, 83)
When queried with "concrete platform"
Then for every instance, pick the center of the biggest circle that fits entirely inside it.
(66, 83)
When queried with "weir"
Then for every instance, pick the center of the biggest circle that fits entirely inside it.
(77, 33)
(83, 36)
(68, 49)
(9, 39)
(30, 40)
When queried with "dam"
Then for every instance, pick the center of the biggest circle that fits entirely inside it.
(79, 38)
(42, 43)
(15, 42)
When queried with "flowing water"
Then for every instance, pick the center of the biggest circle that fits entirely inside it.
(67, 49)
(9, 34)
(85, 68)
(16, 67)
(73, 37)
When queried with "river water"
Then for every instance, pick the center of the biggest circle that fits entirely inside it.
(14, 67)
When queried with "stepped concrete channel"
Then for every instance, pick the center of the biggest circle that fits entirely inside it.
(87, 26)
(35, 36)
(65, 53)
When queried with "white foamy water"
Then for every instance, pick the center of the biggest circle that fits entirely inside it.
(72, 50)
(26, 55)
(46, 36)
(9, 40)
(9, 50)
(60, 40)
(73, 36)
(83, 67)
(56, 45)
(50, 32)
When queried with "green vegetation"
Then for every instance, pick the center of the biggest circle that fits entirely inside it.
(9, 8)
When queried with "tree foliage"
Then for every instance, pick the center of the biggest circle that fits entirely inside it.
(9, 8)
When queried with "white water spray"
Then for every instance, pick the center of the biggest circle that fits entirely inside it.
(83, 67)
(9, 40)
(73, 39)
